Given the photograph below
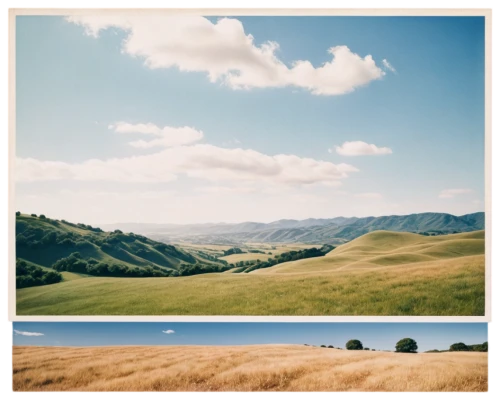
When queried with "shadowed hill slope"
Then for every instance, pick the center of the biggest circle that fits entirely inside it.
(44, 241)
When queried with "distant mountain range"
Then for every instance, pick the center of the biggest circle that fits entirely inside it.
(332, 230)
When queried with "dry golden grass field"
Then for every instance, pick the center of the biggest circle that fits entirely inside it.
(243, 368)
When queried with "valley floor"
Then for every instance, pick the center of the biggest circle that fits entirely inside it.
(243, 368)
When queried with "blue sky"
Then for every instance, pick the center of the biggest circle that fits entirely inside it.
(382, 336)
(263, 140)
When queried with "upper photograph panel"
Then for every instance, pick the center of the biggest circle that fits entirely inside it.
(249, 165)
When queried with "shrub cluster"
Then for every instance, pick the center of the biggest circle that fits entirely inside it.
(290, 256)
(188, 269)
(463, 347)
(233, 250)
(28, 275)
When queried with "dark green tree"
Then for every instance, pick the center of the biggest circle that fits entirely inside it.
(406, 345)
(18, 213)
(354, 344)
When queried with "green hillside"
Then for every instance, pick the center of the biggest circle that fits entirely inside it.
(82, 248)
(383, 248)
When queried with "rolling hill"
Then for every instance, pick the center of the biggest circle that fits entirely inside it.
(384, 248)
(44, 241)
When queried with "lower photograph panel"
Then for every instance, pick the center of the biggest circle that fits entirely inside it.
(232, 356)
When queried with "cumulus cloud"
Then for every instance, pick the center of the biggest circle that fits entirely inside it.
(227, 54)
(450, 193)
(23, 333)
(369, 195)
(202, 161)
(164, 137)
(169, 332)
(359, 148)
(388, 65)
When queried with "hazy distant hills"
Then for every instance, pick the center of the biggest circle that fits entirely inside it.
(332, 230)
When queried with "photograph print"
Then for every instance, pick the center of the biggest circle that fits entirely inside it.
(235, 356)
(231, 165)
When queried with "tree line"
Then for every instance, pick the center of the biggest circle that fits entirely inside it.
(408, 345)
(291, 256)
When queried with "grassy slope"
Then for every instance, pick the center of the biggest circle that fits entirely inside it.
(359, 278)
(243, 368)
(125, 254)
(383, 248)
(452, 287)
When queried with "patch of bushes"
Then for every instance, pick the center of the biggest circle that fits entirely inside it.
(28, 275)
(233, 250)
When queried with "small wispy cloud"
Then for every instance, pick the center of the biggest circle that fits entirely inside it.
(166, 136)
(169, 331)
(23, 333)
(388, 66)
(451, 193)
(359, 148)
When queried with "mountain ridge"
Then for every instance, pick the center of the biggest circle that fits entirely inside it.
(312, 230)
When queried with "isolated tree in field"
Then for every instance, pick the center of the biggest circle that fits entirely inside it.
(42, 216)
(330, 347)
(366, 348)
(406, 345)
(18, 213)
(33, 215)
(354, 344)
(459, 347)
(323, 345)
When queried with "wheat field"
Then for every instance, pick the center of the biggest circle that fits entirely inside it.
(243, 368)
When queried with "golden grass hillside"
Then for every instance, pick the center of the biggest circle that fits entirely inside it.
(243, 368)
(383, 249)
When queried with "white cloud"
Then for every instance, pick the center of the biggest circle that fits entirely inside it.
(165, 137)
(227, 54)
(388, 65)
(359, 148)
(23, 333)
(369, 195)
(202, 161)
(450, 193)
(169, 332)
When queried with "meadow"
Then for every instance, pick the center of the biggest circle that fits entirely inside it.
(243, 368)
(381, 273)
